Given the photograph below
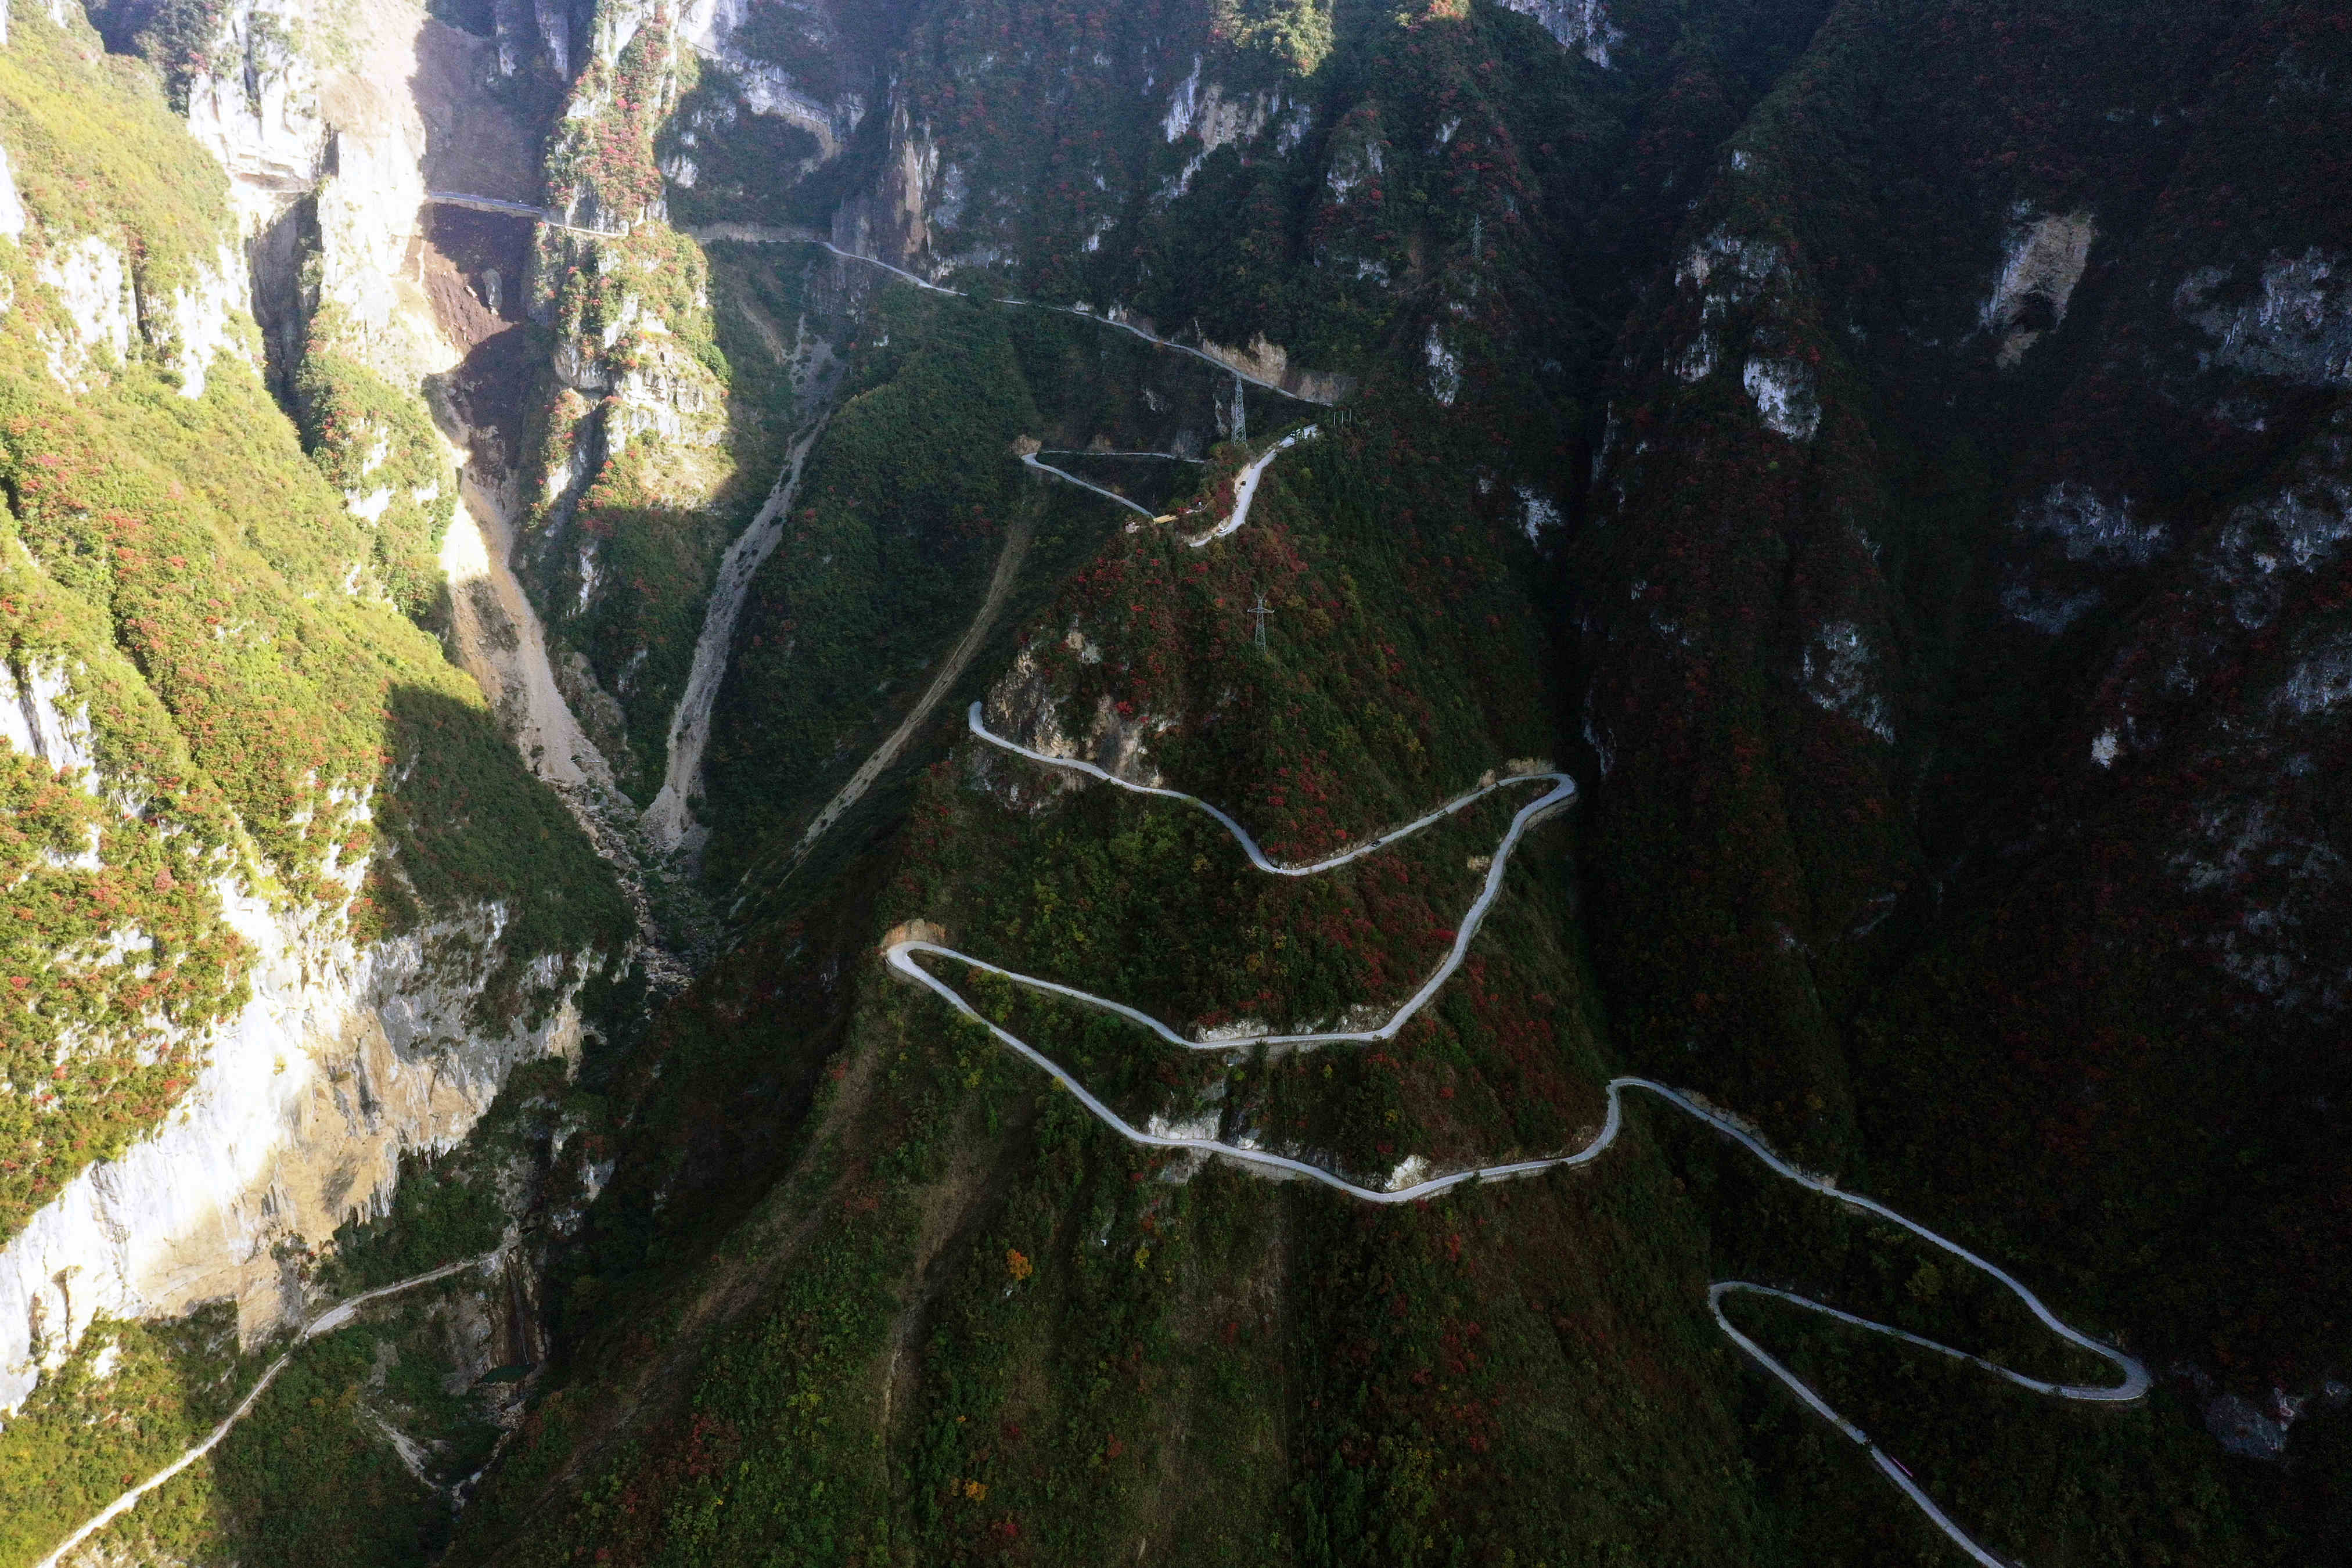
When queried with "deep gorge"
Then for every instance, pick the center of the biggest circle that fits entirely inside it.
(550, 548)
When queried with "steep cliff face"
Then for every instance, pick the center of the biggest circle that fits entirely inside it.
(345, 1059)
(261, 955)
(1960, 565)
(1890, 452)
(654, 444)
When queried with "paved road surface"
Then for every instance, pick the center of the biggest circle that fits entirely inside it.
(1244, 483)
(326, 1323)
(1031, 459)
(902, 958)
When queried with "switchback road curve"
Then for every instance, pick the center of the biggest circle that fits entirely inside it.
(901, 957)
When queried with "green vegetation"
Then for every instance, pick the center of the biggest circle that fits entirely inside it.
(995, 1334)
(115, 967)
(860, 1288)
(902, 510)
(378, 448)
(213, 624)
(129, 1399)
(95, 151)
(603, 160)
(742, 162)
(683, 454)
(1957, 953)
(313, 1473)
(668, 453)
(454, 1206)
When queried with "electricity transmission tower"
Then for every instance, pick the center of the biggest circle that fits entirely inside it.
(1261, 611)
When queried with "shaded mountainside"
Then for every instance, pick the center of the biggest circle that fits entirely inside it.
(1805, 421)
(1958, 607)
(1895, 454)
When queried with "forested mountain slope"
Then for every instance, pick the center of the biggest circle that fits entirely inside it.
(285, 907)
(1890, 453)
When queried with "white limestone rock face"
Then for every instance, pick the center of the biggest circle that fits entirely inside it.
(34, 721)
(202, 320)
(2088, 527)
(615, 27)
(1357, 160)
(345, 1056)
(2040, 265)
(102, 319)
(665, 392)
(1540, 516)
(1835, 671)
(2318, 682)
(554, 25)
(2296, 326)
(12, 208)
(93, 288)
(1787, 396)
(1726, 273)
(288, 118)
(1206, 111)
(1582, 25)
(707, 27)
(343, 1059)
(260, 116)
(1443, 366)
(1271, 364)
(2091, 534)
(371, 213)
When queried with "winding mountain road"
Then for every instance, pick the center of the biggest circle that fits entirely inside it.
(764, 233)
(326, 1323)
(1030, 458)
(1245, 483)
(901, 957)
(547, 216)
(1094, 452)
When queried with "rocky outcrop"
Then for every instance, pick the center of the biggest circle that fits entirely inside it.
(667, 393)
(2296, 325)
(203, 319)
(2041, 265)
(36, 722)
(103, 318)
(261, 114)
(12, 209)
(344, 1059)
(343, 1055)
(92, 285)
(1269, 363)
(709, 28)
(1582, 25)
(1024, 707)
